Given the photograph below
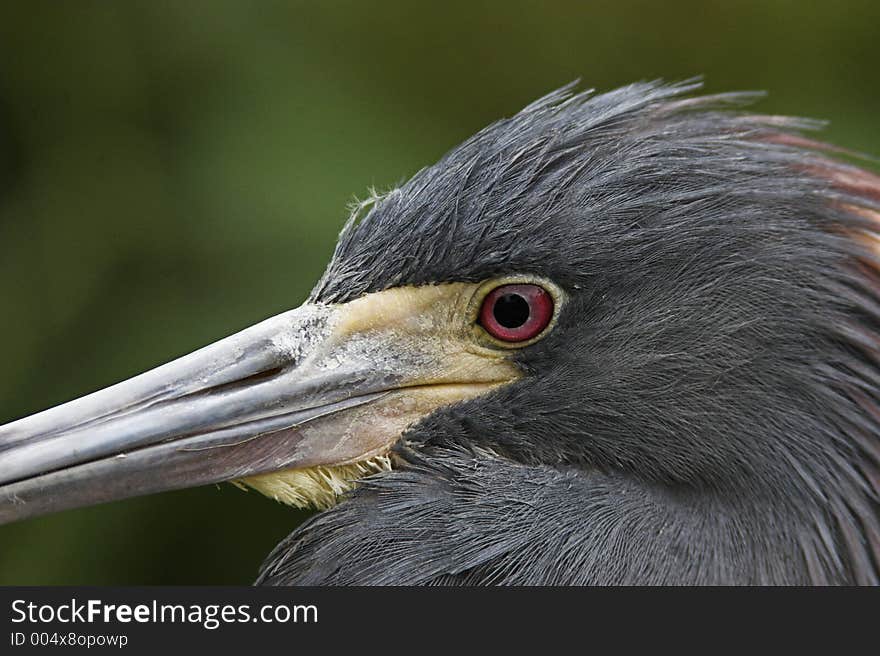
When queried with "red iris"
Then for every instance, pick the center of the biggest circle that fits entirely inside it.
(516, 313)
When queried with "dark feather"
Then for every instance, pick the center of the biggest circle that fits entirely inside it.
(706, 410)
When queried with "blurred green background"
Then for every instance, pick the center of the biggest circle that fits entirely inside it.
(171, 172)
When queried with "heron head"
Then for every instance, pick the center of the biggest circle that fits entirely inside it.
(640, 282)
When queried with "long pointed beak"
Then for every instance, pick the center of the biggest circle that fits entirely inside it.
(316, 386)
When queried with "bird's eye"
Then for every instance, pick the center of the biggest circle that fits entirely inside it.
(516, 313)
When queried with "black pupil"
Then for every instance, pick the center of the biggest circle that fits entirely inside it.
(511, 310)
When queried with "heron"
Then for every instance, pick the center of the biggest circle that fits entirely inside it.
(629, 337)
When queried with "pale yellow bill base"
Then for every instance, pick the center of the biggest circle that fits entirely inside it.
(295, 406)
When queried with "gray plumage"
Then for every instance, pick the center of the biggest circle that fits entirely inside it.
(706, 410)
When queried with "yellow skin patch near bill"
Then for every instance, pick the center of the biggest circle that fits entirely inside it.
(425, 335)
(315, 487)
